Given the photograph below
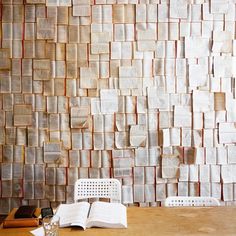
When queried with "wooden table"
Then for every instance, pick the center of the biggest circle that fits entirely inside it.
(160, 221)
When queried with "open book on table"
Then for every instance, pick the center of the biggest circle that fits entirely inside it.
(97, 214)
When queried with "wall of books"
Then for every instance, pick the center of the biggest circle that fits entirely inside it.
(139, 90)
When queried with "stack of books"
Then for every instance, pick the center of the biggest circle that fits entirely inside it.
(24, 216)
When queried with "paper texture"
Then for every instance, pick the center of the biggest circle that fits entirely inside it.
(109, 88)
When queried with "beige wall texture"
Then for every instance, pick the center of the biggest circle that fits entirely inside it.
(138, 90)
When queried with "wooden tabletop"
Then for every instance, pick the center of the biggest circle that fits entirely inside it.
(160, 221)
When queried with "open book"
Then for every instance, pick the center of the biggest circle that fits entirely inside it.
(97, 214)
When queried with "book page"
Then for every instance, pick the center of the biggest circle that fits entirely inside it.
(109, 215)
(74, 214)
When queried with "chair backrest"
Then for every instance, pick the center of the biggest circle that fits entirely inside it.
(191, 201)
(97, 188)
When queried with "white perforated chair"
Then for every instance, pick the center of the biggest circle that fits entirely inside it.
(97, 188)
(191, 201)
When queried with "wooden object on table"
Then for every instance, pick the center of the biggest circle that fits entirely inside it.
(11, 222)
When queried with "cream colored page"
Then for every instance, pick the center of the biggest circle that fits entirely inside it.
(108, 213)
(74, 214)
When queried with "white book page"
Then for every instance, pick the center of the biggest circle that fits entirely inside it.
(74, 214)
(109, 215)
